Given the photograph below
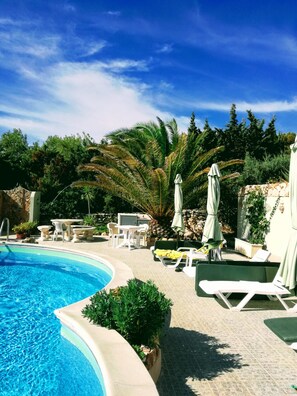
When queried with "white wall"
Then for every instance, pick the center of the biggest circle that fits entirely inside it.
(280, 225)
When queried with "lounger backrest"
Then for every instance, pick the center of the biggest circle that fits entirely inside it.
(261, 255)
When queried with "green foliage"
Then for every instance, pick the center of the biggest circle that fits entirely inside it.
(89, 195)
(193, 128)
(233, 137)
(26, 228)
(90, 220)
(67, 205)
(136, 311)
(139, 166)
(228, 204)
(272, 169)
(138, 349)
(14, 159)
(135, 168)
(256, 216)
(285, 140)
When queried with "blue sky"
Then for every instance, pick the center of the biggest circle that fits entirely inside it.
(96, 66)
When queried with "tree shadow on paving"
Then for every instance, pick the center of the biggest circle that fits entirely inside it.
(190, 355)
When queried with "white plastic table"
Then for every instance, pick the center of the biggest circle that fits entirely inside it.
(68, 223)
(128, 231)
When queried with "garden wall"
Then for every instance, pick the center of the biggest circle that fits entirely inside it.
(277, 196)
(19, 205)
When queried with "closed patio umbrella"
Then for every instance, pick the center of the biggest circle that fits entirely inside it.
(212, 234)
(287, 269)
(178, 223)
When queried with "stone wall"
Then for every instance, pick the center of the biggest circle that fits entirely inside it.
(194, 222)
(15, 205)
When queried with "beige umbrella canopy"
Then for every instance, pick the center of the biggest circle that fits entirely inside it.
(212, 233)
(178, 223)
(288, 267)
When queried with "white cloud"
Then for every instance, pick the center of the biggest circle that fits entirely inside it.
(259, 107)
(165, 49)
(119, 65)
(113, 13)
(261, 43)
(77, 98)
(92, 48)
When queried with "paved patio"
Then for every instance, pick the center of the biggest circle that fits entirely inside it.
(208, 349)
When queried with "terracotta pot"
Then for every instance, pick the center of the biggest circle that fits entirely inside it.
(21, 236)
(153, 362)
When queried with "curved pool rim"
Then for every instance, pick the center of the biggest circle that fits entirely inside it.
(122, 370)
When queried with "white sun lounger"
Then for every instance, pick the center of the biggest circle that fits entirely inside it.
(223, 290)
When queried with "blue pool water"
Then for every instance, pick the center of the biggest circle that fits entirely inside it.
(34, 358)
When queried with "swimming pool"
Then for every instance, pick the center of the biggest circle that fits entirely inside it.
(34, 358)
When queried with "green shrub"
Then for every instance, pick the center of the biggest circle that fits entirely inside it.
(270, 170)
(256, 216)
(27, 228)
(91, 220)
(136, 311)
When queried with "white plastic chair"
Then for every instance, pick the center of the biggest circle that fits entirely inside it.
(141, 235)
(58, 230)
(114, 234)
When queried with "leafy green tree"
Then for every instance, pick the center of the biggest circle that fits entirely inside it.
(14, 159)
(54, 168)
(254, 136)
(208, 138)
(89, 195)
(54, 164)
(271, 169)
(270, 139)
(193, 130)
(285, 140)
(232, 137)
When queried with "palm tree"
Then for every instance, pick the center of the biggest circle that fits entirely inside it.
(139, 165)
(88, 195)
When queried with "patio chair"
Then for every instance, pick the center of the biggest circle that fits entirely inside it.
(171, 258)
(58, 230)
(223, 290)
(202, 254)
(114, 234)
(141, 235)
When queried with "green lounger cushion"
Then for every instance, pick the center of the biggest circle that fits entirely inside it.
(284, 328)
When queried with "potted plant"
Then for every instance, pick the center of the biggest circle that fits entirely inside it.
(25, 229)
(138, 312)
